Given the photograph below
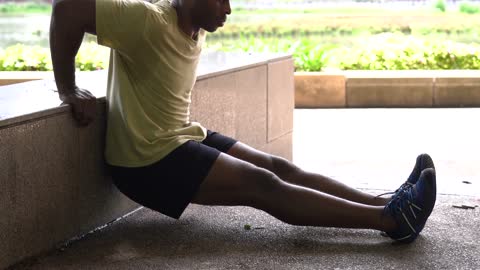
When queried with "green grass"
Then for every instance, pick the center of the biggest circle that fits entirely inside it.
(346, 11)
(333, 23)
(340, 10)
(24, 8)
(431, 9)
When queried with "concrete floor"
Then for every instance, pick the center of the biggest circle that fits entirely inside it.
(371, 149)
(376, 148)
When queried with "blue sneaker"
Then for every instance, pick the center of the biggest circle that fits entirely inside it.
(411, 206)
(423, 162)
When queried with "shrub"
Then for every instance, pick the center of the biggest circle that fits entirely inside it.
(386, 51)
(440, 5)
(91, 56)
(309, 54)
(22, 8)
(399, 52)
(25, 58)
(35, 58)
(469, 8)
(311, 57)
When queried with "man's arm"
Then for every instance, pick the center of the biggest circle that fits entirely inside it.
(70, 20)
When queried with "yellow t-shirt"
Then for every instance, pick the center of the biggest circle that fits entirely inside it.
(151, 74)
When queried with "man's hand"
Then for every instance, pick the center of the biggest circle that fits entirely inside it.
(83, 105)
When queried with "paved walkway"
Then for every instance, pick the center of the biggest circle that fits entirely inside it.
(377, 148)
(371, 149)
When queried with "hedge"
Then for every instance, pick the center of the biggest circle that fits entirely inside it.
(388, 51)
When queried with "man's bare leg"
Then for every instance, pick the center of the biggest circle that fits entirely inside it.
(294, 175)
(232, 181)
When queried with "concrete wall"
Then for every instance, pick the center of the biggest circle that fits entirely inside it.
(253, 105)
(53, 181)
(53, 184)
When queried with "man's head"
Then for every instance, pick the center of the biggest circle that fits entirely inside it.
(209, 14)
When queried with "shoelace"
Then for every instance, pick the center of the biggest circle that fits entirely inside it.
(403, 187)
(395, 204)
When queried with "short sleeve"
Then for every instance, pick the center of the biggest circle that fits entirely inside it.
(120, 23)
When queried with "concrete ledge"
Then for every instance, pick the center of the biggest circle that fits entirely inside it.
(13, 77)
(411, 88)
(317, 89)
(457, 92)
(389, 92)
(431, 88)
(53, 179)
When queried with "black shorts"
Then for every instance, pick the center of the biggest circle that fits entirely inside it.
(169, 185)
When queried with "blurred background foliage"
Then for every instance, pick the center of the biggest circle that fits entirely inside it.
(344, 35)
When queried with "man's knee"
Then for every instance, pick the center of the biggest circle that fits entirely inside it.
(262, 183)
(283, 167)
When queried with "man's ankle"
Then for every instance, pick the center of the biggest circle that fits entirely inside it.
(380, 201)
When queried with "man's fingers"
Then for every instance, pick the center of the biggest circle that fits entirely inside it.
(83, 104)
(90, 110)
(90, 94)
(86, 111)
(78, 111)
(86, 94)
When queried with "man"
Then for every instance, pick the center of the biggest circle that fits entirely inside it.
(163, 161)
